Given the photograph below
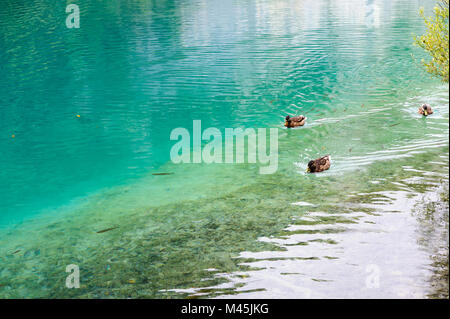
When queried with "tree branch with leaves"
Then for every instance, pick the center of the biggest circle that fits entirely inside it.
(435, 40)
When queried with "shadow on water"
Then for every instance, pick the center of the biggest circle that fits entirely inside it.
(432, 214)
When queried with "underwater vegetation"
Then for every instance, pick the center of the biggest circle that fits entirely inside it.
(156, 252)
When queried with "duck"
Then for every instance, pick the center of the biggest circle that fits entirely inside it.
(319, 165)
(425, 110)
(295, 121)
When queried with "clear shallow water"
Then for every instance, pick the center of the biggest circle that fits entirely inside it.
(136, 71)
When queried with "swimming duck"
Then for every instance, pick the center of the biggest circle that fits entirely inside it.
(319, 165)
(425, 110)
(295, 121)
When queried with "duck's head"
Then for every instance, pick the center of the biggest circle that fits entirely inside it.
(425, 109)
(310, 164)
(286, 123)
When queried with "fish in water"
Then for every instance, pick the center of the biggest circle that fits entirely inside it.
(295, 121)
(17, 251)
(105, 230)
(425, 110)
(159, 174)
(319, 165)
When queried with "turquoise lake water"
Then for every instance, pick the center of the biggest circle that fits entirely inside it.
(136, 70)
